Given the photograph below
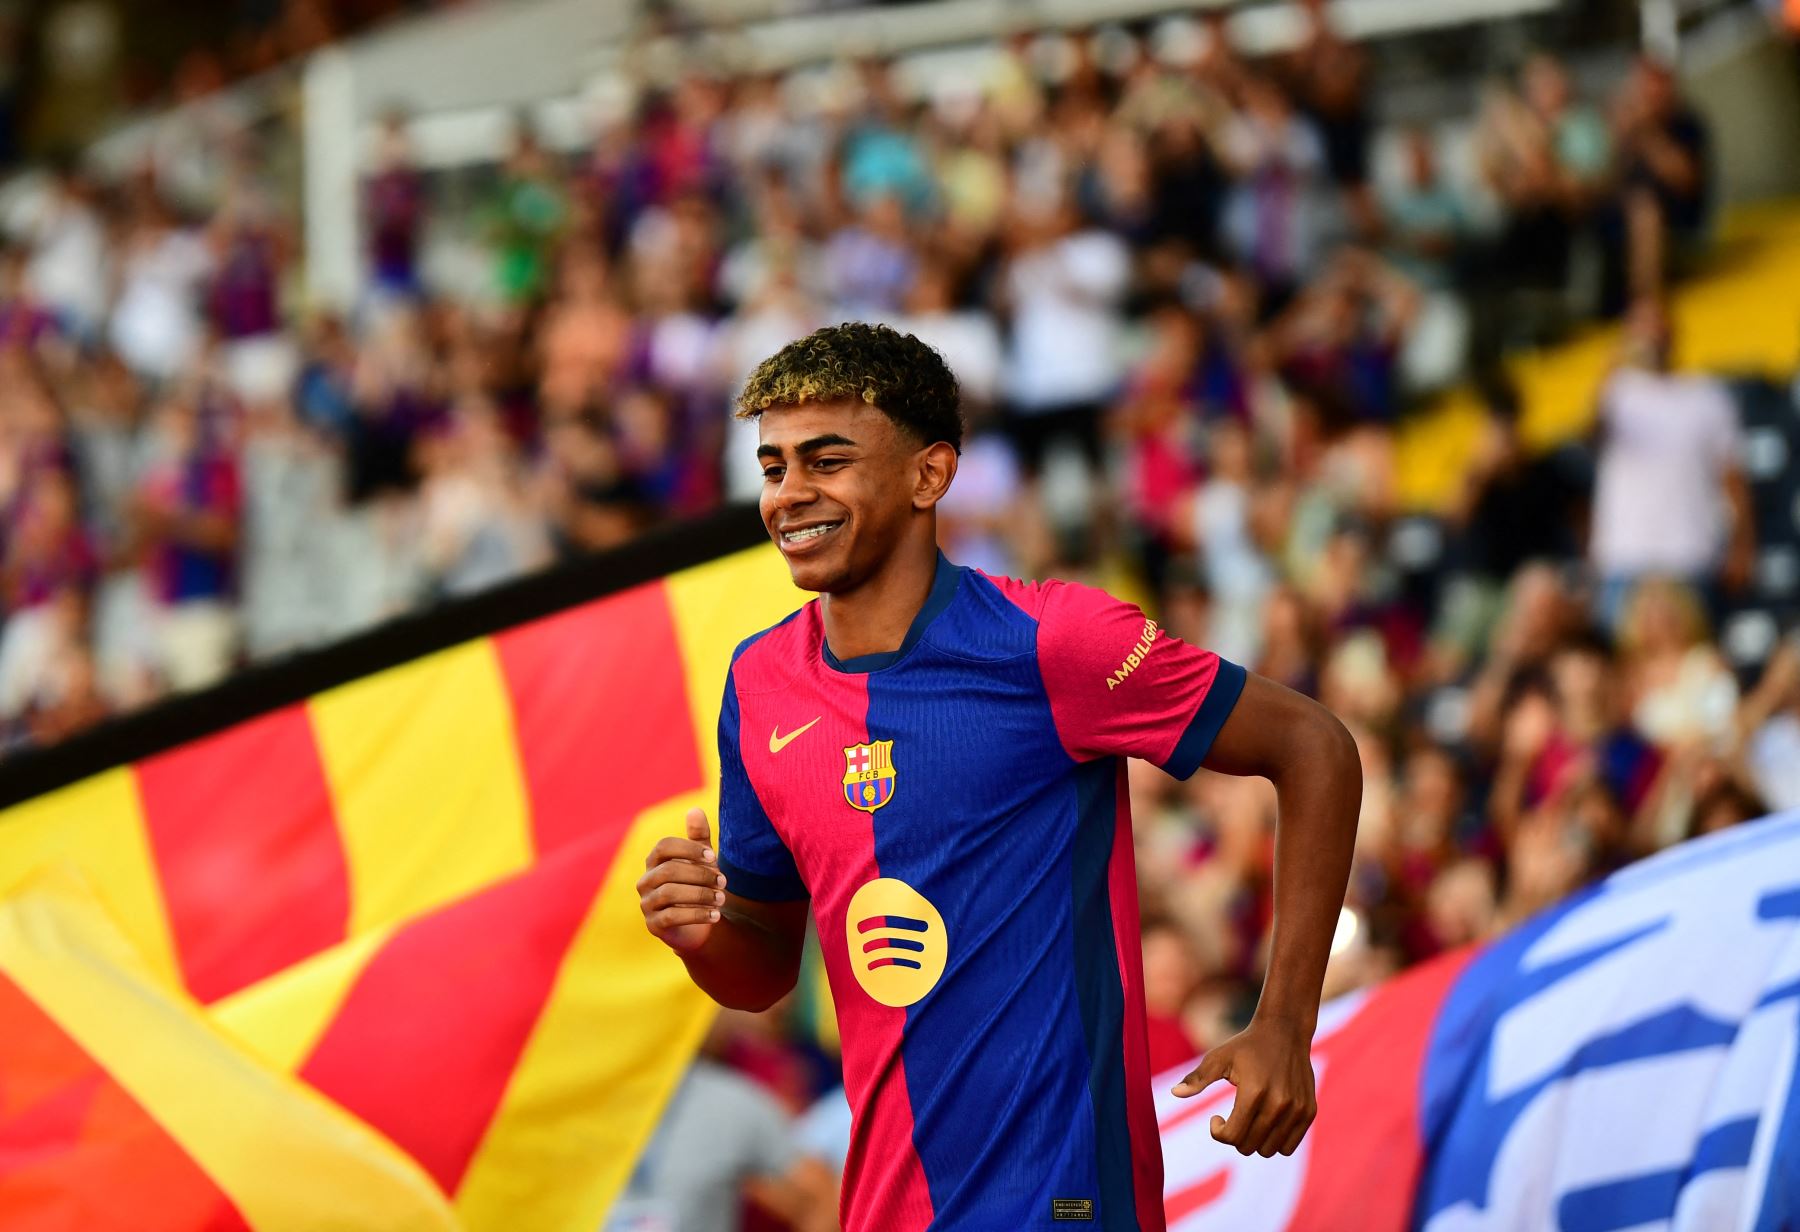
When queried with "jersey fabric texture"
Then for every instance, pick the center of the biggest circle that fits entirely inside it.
(956, 811)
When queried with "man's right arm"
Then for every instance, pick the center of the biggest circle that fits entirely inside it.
(743, 953)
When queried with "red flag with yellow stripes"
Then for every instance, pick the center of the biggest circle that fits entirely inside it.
(389, 930)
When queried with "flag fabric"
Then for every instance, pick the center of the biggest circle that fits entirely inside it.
(373, 960)
(1627, 1059)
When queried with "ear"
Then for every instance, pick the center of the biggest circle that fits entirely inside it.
(936, 467)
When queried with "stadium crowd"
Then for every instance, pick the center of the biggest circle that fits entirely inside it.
(1187, 305)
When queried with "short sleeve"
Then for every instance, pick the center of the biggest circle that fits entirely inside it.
(756, 863)
(1122, 686)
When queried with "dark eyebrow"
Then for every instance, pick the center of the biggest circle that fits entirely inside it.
(810, 445)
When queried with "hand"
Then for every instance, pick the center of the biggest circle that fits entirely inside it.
(1270, 1064)
(682, 890)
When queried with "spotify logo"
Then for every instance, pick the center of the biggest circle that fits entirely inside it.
(896, 941)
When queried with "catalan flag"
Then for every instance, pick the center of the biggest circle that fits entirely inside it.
(373, 958)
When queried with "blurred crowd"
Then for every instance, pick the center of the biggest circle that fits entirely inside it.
(1188, 295)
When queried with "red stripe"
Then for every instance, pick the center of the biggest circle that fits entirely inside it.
(430, 1032)
(1371, 1124)
(884, 1187)
(1140, 1107)
(248, 852)
(600, 706)
(77, 1152)
(1187, 1201)
(428, 1036)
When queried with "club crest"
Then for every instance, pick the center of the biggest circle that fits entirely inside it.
(869, 775)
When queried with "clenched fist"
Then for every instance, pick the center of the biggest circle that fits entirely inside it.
(682, 889)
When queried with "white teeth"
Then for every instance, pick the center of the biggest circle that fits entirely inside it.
(811, 532)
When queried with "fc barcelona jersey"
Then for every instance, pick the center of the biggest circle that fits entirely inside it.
(956, 811)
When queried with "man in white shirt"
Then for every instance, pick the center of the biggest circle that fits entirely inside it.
(1064, 284)
(1670, 497)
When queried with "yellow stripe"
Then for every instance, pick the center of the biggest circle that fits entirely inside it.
(579, 1114)
(280, 1018)
(98, 826)
(616, 1034)
(1722, 324)
(424, 774)
(285, 1155)
(716, 606)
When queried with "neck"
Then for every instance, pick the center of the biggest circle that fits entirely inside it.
(873, 618)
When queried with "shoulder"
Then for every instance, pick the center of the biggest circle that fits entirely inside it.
(1055, 600)
(772, 658)
(1063, 616)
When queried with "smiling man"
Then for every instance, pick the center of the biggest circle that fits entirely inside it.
(932, 760)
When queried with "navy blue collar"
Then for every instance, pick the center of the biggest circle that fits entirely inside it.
(943, 589)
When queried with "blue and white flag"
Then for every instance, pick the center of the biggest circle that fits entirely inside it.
(1624, 1061)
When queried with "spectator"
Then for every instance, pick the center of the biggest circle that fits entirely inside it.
(526, 217)
(1681, 692)
(188, 501)
(1171, 977)
(1580, 147)
(1329, 74)
(1769, 724)
(965, 337)
(1341, 340)
(720, 1139)
(1666, 182)
(1278, 218)
(1669, 497)
(1517, 159)
(1425, 223)
(155, 323)
(1514, 507)
(70, 264)
(585, 338)
(249, 250)
(1065, 282)
(47, 571)
(1565, 734)
(477, 530)
(870, 264)
(394, 212)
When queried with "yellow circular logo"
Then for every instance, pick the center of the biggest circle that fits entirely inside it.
(897, 941)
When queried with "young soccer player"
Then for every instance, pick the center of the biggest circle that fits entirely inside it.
(931, 761)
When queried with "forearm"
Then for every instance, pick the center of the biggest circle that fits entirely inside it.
(744, 965)
(1319, 796)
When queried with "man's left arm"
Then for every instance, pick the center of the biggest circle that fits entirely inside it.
(1119, 685)
(1302, 749)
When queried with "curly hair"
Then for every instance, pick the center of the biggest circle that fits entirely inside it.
(894, 372)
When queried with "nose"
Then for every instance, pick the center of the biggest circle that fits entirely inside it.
(794, 490)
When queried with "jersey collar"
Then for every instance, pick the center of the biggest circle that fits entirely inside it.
(943, 589)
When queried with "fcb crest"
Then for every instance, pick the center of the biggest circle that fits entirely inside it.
(869, 775)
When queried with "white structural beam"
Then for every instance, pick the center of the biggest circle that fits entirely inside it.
(331, 197)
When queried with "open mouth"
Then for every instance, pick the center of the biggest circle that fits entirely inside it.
(808, 534)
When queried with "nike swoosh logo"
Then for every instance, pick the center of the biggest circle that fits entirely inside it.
(778, 742)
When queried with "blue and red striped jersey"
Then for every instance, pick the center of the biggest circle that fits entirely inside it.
(956, 811)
